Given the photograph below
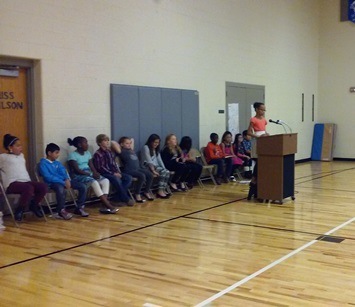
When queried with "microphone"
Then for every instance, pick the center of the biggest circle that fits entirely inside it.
(277, 122)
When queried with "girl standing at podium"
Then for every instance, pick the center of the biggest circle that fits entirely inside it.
(257, 128)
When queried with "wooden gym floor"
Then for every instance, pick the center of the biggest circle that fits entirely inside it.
(206, 247)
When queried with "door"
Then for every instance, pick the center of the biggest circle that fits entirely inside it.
(239, 109)
(14, 108)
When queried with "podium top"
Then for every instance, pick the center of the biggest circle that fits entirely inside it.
(277, 145)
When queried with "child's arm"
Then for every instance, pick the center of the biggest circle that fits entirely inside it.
(251, 130)
(232, 151)
(74, 166)
(132, 144)
(223, 148)
(209, 153)
(115, 147)
(48, 176)
(95, 173)
(191, 156)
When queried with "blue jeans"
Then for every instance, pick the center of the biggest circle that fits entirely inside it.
(121, 185)
(224, 167)
(61, 192)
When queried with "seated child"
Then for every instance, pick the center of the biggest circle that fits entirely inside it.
(214, 155)
(151, 159)
(16, 179)
(246, 143)
(104, 162)
(190, 160)
(83, 170)
(175, 162)
(242, 153)
(227, 149)
(132, 167)
(56, 176)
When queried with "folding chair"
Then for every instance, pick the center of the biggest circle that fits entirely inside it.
(15, 198)
(39, 178)
(238, 172)
(207, 169)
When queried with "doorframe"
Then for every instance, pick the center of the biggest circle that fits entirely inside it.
(35, 122)
(245, 85)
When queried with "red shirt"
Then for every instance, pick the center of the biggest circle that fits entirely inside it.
(213, 151)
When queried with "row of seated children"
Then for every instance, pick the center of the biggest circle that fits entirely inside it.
(153, 163)
(227, 156)
(16, 179)
(156, 163)
(97, 173)
(151, 166)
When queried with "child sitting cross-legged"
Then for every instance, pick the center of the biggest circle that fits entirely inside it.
(56, 176)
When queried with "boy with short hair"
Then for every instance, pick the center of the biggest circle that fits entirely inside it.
(105, 164)
(214, 155)
(56, 176)
(246, 143)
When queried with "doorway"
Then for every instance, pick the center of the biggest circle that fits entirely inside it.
(239, 104)
(14, 105)
(17, 116)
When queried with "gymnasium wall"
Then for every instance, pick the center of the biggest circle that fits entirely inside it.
(85, 45)
(336, 76)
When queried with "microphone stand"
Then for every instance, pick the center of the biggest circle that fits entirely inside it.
(283, 123)
(280, 123)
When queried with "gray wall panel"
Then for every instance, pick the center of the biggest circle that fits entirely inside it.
(190, 116)
(150, 113)
(139, 111)
(124, 111)
(171, 112)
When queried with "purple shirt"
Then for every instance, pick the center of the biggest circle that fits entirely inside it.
(104, 162)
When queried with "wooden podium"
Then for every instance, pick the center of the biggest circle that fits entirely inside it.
(276, 166)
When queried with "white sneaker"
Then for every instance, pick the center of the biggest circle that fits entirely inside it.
(232, 178)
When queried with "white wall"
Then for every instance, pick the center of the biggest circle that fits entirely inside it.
(336, 76)
(84, 45)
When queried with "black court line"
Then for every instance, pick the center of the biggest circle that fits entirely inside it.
(336, 190)
(267, 227)
(327, 175)
(118, 234)
(330, 172)
(315, 174)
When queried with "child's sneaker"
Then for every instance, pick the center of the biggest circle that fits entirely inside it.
(65, 214)
(232, 178)
(81, 212)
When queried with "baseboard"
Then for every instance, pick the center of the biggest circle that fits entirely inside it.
(343, 159)
(303, 160)
(334, 159)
